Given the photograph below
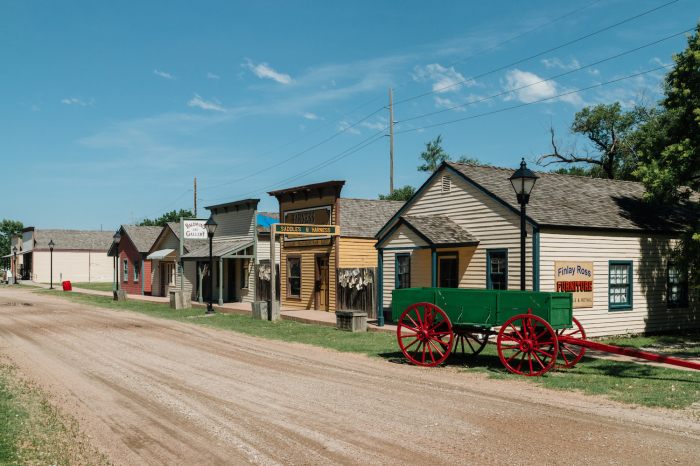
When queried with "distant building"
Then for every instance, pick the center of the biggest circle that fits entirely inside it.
(133, 269)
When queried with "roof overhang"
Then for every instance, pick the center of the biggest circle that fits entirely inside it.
(21, 253)
(162, 254)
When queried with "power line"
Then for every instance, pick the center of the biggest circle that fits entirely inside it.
(535, 102)
(545, 80)
(181, 196)
(538, 54)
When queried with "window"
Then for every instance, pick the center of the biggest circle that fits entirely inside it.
(136, 270)
(446, 183)
(677, 288)
(294, 277)
(126, 270)
(403, 271)
(245, 276)
(497, 269)
(620, 285)
(171, 273)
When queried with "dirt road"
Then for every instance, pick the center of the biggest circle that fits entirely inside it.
(149, 391)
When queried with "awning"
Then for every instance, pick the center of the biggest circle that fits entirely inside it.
(162, 254)
(19, 254)
(220, 249)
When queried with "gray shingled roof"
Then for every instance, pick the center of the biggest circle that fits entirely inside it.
(571, 201)
(264, 229)
(363, 218)
(219, 249)
(142, 237)
(94, 240)
(440, 230)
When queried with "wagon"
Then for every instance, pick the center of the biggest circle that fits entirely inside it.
(535, 330)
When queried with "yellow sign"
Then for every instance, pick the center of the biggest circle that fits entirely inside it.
(577, 278)
(307, 230)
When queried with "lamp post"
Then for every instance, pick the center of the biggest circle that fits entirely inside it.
(523, 180)
(211, 228)
(14, 274)
(116, 238)
(51, 245)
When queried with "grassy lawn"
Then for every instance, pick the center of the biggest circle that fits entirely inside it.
(688, 345)
(98, 286)
(34, 432)
(622, 381)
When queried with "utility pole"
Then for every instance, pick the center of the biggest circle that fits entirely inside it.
(391, 141)
(195, 198)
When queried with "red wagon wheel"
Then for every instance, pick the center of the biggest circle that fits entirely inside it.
(569, 355)
(469, 343)
(425, 334)
(527, 345)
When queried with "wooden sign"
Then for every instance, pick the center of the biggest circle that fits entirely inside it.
(306, 230)
(577, 278)
(194, 229)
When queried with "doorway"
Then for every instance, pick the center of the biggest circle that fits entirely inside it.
(231, 282)
(322, 282)
(162, 279)
(448, 275)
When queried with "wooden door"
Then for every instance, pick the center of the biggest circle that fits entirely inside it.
(163, 266)
(447, 272)
(322, 283)
(231, 282)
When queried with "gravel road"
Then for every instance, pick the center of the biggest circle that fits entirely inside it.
(150, 391)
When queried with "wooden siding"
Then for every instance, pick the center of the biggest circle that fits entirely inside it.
(357, 252)
(76, 266)
(234, 225)
(649, 255)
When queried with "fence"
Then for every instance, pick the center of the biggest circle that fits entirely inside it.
(356, 290)
(262, 282)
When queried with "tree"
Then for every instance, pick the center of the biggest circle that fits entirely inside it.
(7, 229)
(669, 151)
(433, 155)
(609, 151)
(472, 161)
(400, 194)
(173, 216)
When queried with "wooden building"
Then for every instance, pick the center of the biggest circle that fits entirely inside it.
(595, 237)
(133, 268)
(309, 265)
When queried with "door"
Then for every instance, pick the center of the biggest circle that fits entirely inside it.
(447, 271)
(322, 283)
(162, 278)
(231, 282)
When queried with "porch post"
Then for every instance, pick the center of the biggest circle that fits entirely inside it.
(380, 288)
(142, 276)
(201, 291)
(433, 268)
(221, 282)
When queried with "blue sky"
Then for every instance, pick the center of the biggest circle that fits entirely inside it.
(114, 108)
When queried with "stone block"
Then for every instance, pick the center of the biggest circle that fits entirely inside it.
(120, 295)
(259, 310)
(273, 311)
(180, 300)
(351, 321)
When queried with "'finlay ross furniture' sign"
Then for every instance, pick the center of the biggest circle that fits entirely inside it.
(194, 229)
(577, 278)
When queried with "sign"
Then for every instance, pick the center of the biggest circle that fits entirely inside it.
(308, 217)
(313, 230)
(194, 229)
(577, 278)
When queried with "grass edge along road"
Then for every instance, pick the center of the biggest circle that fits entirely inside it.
(627, 382)
(33, 430)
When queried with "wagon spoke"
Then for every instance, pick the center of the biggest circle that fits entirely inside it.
(529, 357)
(538, 360)
(513, 356)
(564, 356)
(414, 342)
(509, 338)
(516, 331)
(569, 350)
(407, 336)
(424, 352)
(436, 349)
(440, 333)
(470, 345)
(419, 319)
(439, 341)
(428, 324)
(414, 322)
(462, 339)
(408, 327)
(546, 354)
(522, 359)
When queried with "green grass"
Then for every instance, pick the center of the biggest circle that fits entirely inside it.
(98, 286)
(622, 381)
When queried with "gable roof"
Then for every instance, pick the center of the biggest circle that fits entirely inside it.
(439, 230)
(363, 218)
(142, 237)
(263, 228)
(93, 240)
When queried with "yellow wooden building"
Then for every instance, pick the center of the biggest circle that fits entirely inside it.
(308, 265)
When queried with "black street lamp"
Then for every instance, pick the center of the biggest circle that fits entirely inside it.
(14, 276)
(116, 238)
(211, 228)
(523, 180)
(51, 245)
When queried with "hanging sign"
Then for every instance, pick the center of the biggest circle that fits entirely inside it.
(307, 230)
(194, 229)
(311, 217)
(577, 278)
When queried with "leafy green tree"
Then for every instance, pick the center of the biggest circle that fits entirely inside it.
(609, 147)
(472, 161)
(400, 194)
(173, 216)
(670, 150)
(7, 229)
(433, 155)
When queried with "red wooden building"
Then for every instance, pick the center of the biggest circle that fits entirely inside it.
(133, 270)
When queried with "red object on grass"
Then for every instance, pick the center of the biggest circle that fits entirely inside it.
(66, 286)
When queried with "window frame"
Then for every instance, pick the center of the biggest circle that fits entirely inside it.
(489, 284)
(684, 301)
(629, 305)
(301, 274)
(137, 272)
(396, 270)
(125, 271)
(245, 274)
(447, 255)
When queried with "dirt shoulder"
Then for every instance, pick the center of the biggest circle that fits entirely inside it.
(153, 391)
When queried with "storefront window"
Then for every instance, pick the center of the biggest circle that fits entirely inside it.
(126, 270)
(294, 277)
(677, 288)
(497, 273)
(136, 270)
(620, 285)
(403, 271)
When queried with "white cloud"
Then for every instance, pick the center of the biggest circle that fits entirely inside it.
(593, 72)
(444, 79)
(198, 102)
(212, 76)
(263, 70)
(162, 73)
(378, 126)
(447, 103)
(556, 63)
(73, 101)
(310, 116)
(345, 126)
(660, 62)
(534, 90)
